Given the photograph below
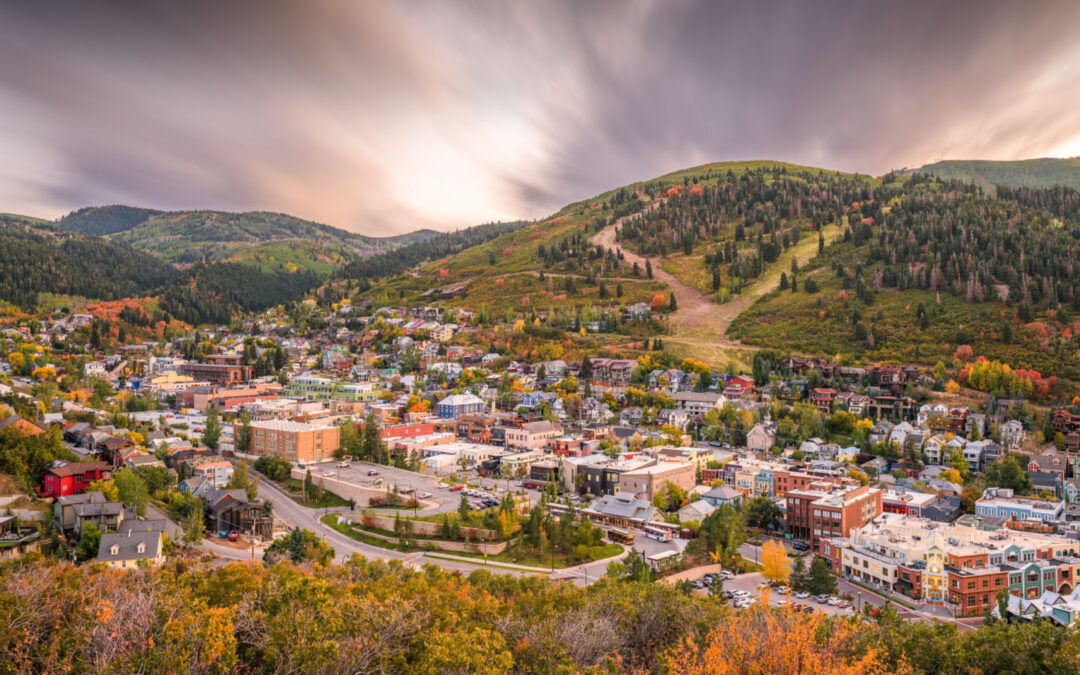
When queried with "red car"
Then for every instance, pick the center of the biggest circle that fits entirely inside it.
(234, 535)
(457, 488)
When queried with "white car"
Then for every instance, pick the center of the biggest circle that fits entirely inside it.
(802, 595)
(832, 602)
(726, 575)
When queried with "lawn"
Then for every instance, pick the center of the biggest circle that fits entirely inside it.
(510, 556)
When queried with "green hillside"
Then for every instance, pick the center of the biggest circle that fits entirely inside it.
(194, 236)
(506, 271)
(38, 259)
(1035, 173)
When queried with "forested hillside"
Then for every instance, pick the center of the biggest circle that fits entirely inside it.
(37, 259)
(1036, 173)
(927, 266)
(214, 293)
(196, 236)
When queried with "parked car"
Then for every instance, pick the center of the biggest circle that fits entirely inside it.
(457, 488)
(234, 535)
(423, 495)
(833, 602)
(843, 604)
(223, 534)
(763, 584)
(726, 575)
(800, 546)
(342, 465)
(802, 595)
(822, 599)
(373, 472)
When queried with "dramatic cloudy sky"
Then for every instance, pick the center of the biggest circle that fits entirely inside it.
(384, 117)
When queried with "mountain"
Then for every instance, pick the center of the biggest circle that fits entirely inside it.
(37, 258)
(184, 237)
(902, 268)
(1036, 173)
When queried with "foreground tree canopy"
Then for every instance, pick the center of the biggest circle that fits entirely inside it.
(367, 617)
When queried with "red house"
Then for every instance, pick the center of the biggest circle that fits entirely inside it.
(71, 478)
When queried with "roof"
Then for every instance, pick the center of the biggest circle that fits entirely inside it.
(623, 505)
(127, 546)
(77, 468)
(723, 493)
(288, 425)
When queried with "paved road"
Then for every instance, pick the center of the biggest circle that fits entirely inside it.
(297, 515)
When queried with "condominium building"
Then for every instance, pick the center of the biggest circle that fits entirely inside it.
(822, 510)
(311, 388)
(962, 567)
(295, 442)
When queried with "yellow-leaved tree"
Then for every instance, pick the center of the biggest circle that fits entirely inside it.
(775, 565)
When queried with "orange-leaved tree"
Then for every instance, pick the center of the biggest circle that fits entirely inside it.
(766, 641)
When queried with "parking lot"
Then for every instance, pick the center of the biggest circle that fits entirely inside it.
(749, 587)
(426, 487)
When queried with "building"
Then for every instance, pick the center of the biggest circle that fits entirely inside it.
(532, 435)
(1002, 503)
(604, 478)
(311, 388)
(721, 495)
(71, 478)
(518, 463)
(218, 374)
(217, 472)
(962, 567)
(647, 481)
(697, 402)
(821, 510)
(296, 442)
(622, 510)
(456, 405)
(127, 550)
(762, 436)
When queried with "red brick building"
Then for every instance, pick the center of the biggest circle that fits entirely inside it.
(822, 510)
(71, 478)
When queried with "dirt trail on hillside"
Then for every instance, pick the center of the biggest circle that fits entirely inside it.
(698, 320)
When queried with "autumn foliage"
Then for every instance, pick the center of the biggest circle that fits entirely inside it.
(658, 302)
(768, 642)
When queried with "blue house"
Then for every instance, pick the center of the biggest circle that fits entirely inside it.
(456, 405)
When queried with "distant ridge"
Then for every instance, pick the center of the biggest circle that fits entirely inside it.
(1037, 173)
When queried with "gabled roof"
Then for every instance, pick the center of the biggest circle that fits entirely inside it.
(127, 546)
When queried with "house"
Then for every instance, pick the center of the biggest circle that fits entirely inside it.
(822, 399)
(216, 472)
(695, 511)
(231, 510)
(106, 516)
(762, 436)
(128, 550)
(70, 478)
(1012, 434)
(673, 417)
(719, 496)
(697, 402)
(16, 541)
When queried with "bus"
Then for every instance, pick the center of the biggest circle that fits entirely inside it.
(620, 536)
(657, 533)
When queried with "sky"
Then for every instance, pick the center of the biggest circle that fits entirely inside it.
(386, 117)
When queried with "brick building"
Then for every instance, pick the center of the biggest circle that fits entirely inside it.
(295, 442)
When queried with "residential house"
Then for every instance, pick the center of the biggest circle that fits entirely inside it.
(456, 405)
(130, 549)
(64, 478)
(762, 436)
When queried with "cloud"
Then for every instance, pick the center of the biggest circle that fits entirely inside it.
(384, 118)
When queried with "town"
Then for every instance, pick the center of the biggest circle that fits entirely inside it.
(410, 434)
